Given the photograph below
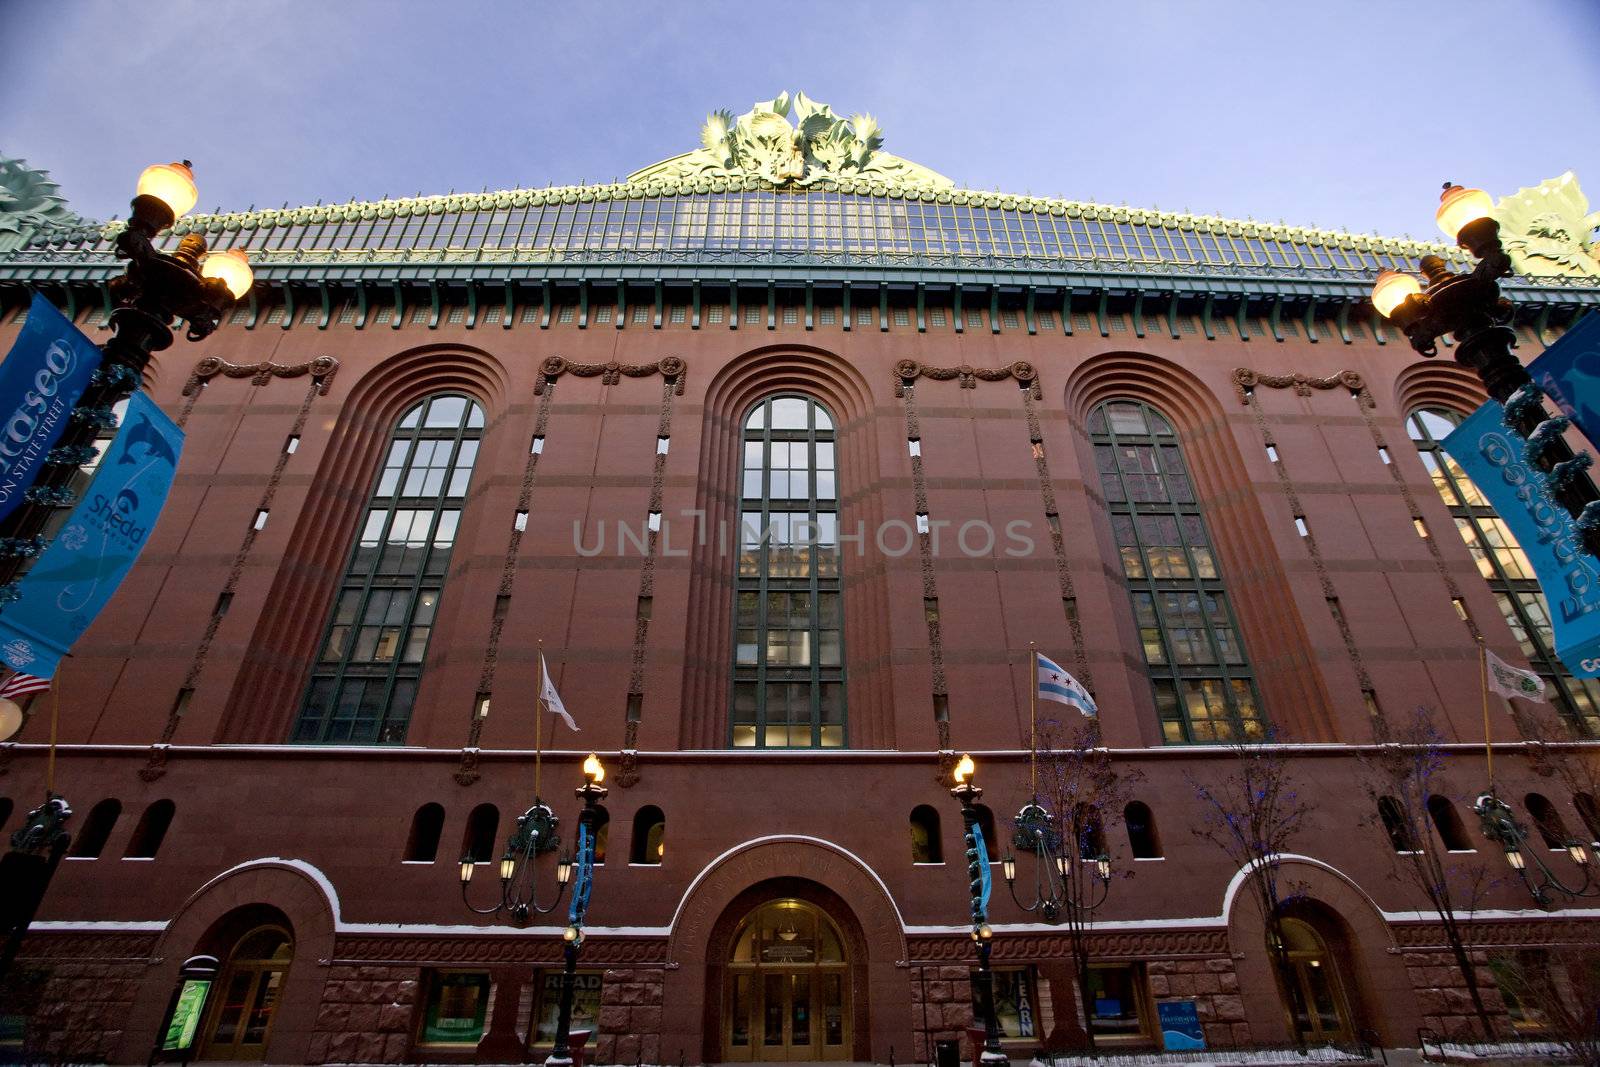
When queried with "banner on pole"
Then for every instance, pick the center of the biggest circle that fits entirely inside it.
(1494, 458)
(43, 376)
(83, 566)
(1569, 374)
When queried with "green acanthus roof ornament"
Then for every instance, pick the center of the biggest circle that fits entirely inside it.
(1548, 229)
(29, 202)
(817, 146)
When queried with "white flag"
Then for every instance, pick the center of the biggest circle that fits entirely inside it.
(1511, 681)
(552, 699)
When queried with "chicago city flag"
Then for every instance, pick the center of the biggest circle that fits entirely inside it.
(550, 699)
(1056, 684)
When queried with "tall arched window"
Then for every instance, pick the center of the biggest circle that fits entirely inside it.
(1142, 836)
(151, 831)
(649, 836)
(91, 840)
(1394, 824)
(1548, 820)
(788, 657)
(926, 847)
(1448, 824)
(1203, 688)
(1504, 566)
(422, 845)
(366, 677)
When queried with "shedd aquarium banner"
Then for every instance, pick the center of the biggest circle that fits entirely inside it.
(83, 566)
(1493, 457)
(41, 379)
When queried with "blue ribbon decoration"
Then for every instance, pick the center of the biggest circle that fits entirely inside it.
(585, 876)
(984, 874)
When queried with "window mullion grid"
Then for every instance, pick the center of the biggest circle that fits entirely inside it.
(813, 583)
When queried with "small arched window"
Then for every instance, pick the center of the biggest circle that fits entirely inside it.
(926, 846)
(422, 845)
(1448, 824)
(91, 840)
(602, 833)
(367, 673)
(151, 831)
(1394, 824)
(478, 842)
(1548, 820)
(649, 836)
(788, 639)
(1142, 837)
(1588, 811)
(1091, 832)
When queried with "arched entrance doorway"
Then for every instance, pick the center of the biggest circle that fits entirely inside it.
(787, 991)
(251, 985)
(1319, 1007)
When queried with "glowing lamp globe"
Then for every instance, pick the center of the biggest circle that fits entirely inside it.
(1391, 290)
(232, 268)
(10, 719)
(592, 770)
(172, 184)
(1458, 207)
(965, 769)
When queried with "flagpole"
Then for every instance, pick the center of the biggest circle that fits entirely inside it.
(1483, 680)
(55, 717)
(538, 725)
(1033, 718)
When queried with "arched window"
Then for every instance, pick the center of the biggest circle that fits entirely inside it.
(478, 843)
(649, 836)
(366, 675)
(1091, 832)
(788, 646)
(91, 840)
(1142, 837)
(1394, 824)
(422, 846)
(1203, 688)
(1448, 824)
(1548, 820)
(926, 846)
(1504, 566)
(602, 833)
(151, 831)
(1588, 811)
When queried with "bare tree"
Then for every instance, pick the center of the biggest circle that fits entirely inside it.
(1559, 989)
(1401, 779)
(1252, 815)
(1084, 792)
(1558, 749)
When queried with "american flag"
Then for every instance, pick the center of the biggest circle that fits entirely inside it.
(20, 685)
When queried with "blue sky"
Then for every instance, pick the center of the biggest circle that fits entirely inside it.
(1327, 113)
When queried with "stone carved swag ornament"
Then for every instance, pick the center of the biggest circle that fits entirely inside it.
(815, 146)
(1548, 230)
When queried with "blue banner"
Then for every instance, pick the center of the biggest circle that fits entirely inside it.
(82, 567)
(1569, 373)
(1180, 1025)
(41, 379)
(584, 875)
(984, 874)
(1493, 457)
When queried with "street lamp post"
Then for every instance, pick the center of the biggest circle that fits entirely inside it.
(25, 871)
(978, 886)
(1500, 825)
(535, 834)
(1469, 306)
(158, 287)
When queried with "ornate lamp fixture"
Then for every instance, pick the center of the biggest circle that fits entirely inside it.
(25, 871)
(1058, 886)
(158, 287)
(968, 794)
(1500, 825)
(1469, 306)
(535, 834)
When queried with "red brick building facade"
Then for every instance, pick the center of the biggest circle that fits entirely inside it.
(956, 392)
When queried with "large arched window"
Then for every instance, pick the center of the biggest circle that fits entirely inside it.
(1504, 566)
(366, 676)
(788, 656)
(1203, 688)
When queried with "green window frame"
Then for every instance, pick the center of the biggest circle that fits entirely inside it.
(370, 662)
(1194, 654)
(1504, 566)
(788, 686)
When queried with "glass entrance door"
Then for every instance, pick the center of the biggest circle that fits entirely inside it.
(1319, 1012)
(788, 988)
(251, 987)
